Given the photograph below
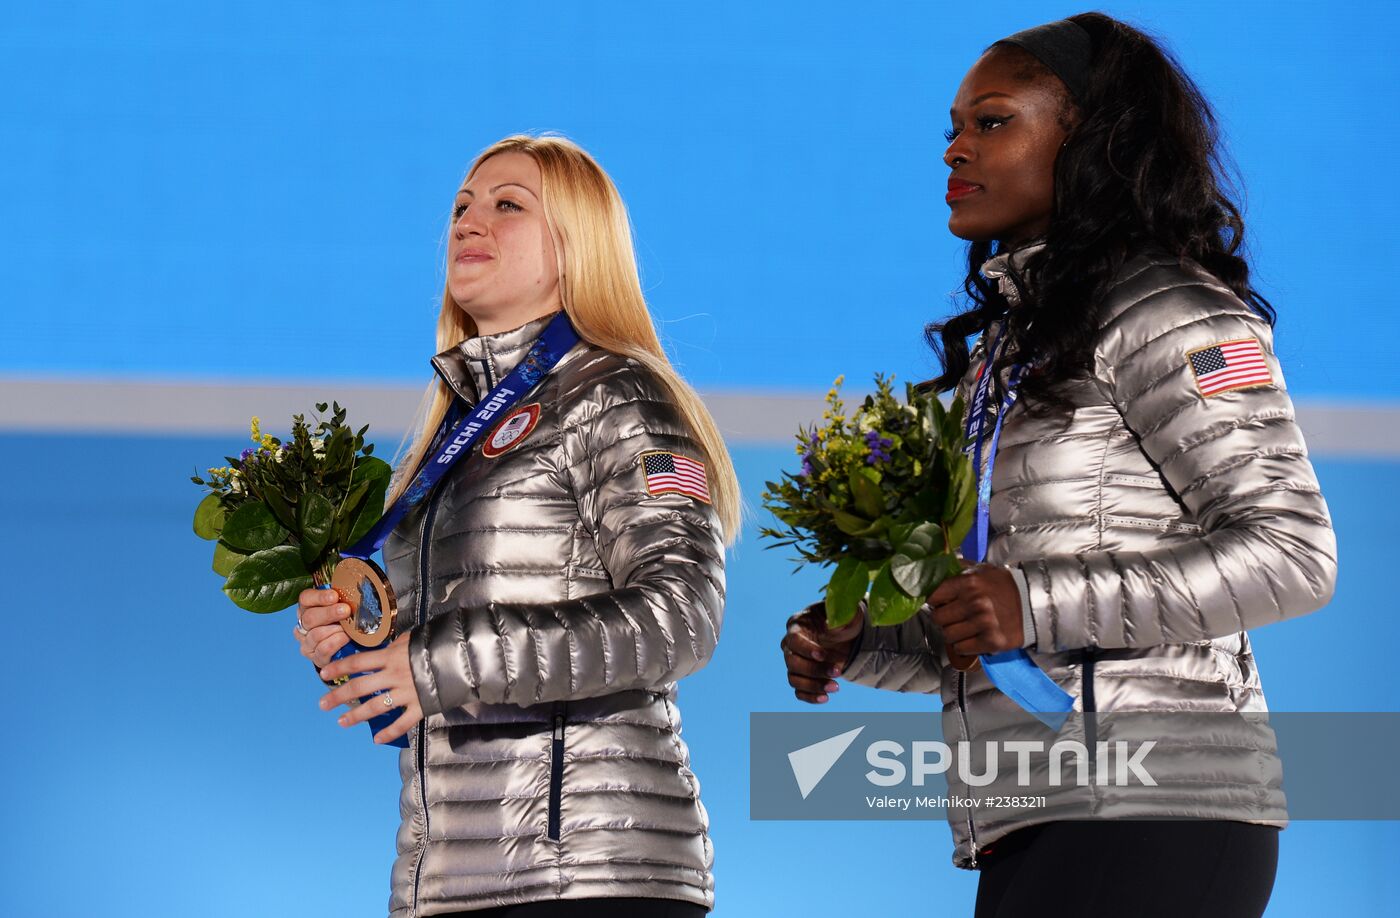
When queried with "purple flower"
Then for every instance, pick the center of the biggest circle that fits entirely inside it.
(877, 446)
(807, 466)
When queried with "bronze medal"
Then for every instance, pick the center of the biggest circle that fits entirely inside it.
(363, 586)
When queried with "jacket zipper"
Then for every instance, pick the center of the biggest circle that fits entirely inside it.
(556, 772)
(967, 735)
(1086, 694)
(422, 727)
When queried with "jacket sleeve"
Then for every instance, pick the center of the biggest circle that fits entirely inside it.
(665, 556)
(1236, 463)
(907, 657)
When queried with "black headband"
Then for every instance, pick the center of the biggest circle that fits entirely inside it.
(1063, 46)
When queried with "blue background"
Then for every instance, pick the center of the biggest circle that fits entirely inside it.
(240, 192)
(174, 168)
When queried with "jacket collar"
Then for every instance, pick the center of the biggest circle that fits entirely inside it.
(1007, 270)
(475, 366)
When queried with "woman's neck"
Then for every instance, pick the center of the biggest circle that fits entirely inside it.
(511, 319)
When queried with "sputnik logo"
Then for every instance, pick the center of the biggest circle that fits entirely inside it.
(811, 763)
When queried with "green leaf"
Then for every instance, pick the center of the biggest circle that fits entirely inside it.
(946, 566)
(853, 525)
(913, 576)
(370, 511)
(252, 528)
(962, 503)
(368, 468)
(916, 565)
(869, 550)
(269, 580)
(954, 432)
(865, 488)
(922, 541)
(315, 517)
(226, 559)
(209, 517)
(889, 605)
(281, 510)
(349, 511)
(845, 591)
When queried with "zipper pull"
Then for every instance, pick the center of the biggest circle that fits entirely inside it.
(558, 727)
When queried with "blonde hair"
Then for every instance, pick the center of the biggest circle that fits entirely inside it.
(602, 295)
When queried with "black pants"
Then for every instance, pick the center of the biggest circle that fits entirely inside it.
(1111, 868)
(592, 908)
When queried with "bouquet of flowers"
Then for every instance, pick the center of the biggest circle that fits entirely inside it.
(887, 495)
(280, 512)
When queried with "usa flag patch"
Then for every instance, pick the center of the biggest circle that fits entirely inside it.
(1228, 366)
(667, 473)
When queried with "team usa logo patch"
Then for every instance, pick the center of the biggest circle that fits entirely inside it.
(667, 473)
(1228, 366)
(516, 427)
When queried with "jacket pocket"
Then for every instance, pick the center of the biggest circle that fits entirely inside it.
(556, 774)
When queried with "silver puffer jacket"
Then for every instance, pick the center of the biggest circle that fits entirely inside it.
(1153, 527)
(562, 603)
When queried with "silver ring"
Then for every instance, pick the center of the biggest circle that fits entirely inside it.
(388, 700)
(301, 629)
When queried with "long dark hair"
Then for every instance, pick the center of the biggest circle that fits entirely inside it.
(1142, 168)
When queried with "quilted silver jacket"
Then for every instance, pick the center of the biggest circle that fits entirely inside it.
(556, 603)
(1153, 526)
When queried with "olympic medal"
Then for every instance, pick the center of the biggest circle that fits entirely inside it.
(364, 587)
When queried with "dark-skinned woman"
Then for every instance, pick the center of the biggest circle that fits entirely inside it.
(1151, 496)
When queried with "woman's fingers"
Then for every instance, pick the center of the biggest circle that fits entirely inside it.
(366, 661)
(812, 680)
(313, 617)
(959, 631)
(327, 648)
(814, 686)
(810, 649)
(814, 622)
(806, 660)
(800, 642)
(317, 597)
(351, 692)
(383, 678)
(405, 722)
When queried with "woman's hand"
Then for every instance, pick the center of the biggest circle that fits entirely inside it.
(816, 654)
(318, 631)
(384, 670)
(979, 611)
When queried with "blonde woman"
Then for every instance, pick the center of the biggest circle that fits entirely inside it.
(558, 581)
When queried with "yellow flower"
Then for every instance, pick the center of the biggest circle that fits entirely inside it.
(256, 432)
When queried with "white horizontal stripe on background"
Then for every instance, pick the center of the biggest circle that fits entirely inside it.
(124, 405)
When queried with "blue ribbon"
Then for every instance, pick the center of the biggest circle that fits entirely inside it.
(1011, 671)
(552, 344)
